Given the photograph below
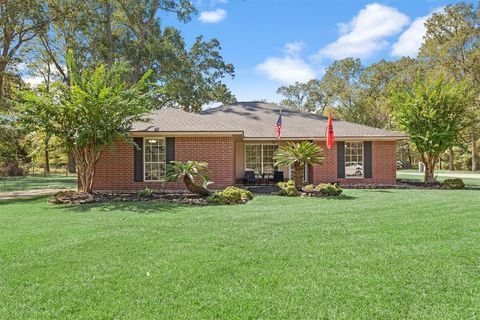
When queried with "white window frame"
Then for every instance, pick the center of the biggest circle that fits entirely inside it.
(144, 162)
(345, 160)
(261, 158)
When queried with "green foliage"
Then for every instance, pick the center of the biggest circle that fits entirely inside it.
(288, 189)
(323, 190)
(92, 113)
(454, 183)
(297, 154)
(451, 48)
(309, 188)
(329, 189)
(193, 78)
(433, 114)
(309, 97)
(189, 171)
(231, 195)
(145, 193)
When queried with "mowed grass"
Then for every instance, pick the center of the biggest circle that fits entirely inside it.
(37, 182)
(472, 183)
(386, 254)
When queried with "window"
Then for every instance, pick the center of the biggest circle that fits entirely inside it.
(259, 158)
(354, 159)
(154, 159)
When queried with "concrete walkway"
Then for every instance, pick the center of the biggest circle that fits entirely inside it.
(27, 193)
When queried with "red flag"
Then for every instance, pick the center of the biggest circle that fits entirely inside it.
(278, 126)
(330, 138)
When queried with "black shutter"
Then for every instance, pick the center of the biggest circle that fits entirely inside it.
(170, 142)
(341, 159)
(367, 153)
(138, 159)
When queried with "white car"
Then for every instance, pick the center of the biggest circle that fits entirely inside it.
(353, 169)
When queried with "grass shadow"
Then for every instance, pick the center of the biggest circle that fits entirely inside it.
(147, 207)
(340, 197)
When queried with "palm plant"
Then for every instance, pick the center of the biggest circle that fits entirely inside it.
(188, 171)
(296, 154)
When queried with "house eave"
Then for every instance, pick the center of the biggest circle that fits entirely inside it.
(339, 138)
(186, 133)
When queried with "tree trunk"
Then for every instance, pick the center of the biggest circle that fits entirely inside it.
(298, 175)
(429, 161)
(3, 66)
(71, 166)
(451, 164)
(474, 152)
(194, 188)
(86, 159)
(46, 170)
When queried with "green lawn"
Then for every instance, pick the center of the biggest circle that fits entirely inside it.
(37, 182)
(386, 254)
(473, 182)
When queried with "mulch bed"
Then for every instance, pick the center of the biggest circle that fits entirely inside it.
(73, 197)
(401, 184)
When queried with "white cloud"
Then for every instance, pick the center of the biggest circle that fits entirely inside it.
(293, 48)
(212, 16)
(411, 39)
(288, 69)
(366, 33)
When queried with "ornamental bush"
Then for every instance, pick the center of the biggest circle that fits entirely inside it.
(231, 195)
(288, 189)
(329, 189)
(145, 193)
(455, 183)
(322, 190)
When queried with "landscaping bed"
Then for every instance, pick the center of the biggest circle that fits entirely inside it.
(73, 197)
(230, 195)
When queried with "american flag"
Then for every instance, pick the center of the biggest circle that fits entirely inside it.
(278, 126)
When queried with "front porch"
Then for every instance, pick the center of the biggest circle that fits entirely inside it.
(254, 164)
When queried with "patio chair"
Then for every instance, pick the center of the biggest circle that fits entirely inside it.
(249, 177)
(277, 176)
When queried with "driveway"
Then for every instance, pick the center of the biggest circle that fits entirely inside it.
(27, 193)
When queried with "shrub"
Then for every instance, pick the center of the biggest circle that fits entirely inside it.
(455, 183)
(288, 189)
(309, 188)
(146, 193)
(230, 195)
(322, 190)
(329, 189)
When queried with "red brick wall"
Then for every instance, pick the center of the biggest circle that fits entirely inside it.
(384, 168)
(115, 168)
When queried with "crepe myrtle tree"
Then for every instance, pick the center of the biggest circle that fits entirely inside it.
(434, 115)
(188, 171)
(94, 112)
(297, 154)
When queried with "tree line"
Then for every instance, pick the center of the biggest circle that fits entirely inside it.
(43, 40)
(365, 94)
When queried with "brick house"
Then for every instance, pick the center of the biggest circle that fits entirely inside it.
(237, 138)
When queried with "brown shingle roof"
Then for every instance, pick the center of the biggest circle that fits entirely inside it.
(173, 120)
(257, 120)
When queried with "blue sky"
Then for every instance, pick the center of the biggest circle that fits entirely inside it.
(276, 42)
